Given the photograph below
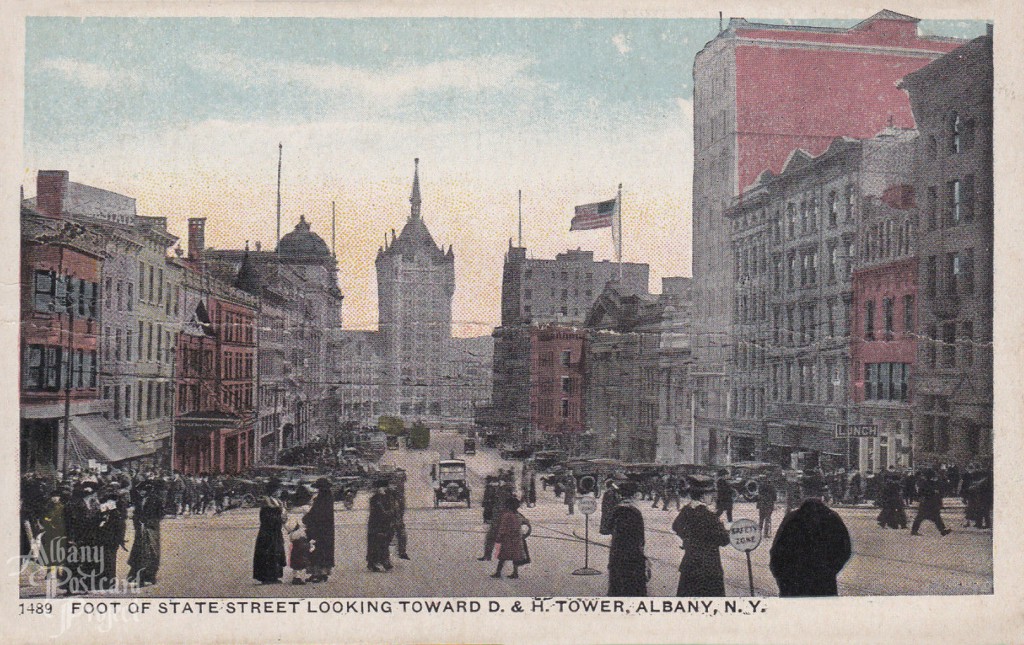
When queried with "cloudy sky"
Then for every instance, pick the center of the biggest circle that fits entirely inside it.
(186, 114)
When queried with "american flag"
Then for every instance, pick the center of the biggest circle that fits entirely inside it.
(591, 216)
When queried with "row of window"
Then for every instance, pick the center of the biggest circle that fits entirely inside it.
(959, 199)
(888, 318)
(801, 265)
(153, 399)
(566, 410)
(886, 381)
(958, 137)
(947, 350)
(238, 365)
(528, 275)
(154, 343)
(799, 380)
(54, 293)
(237, 328)
(45, 368)
(888, 240)
(957, 273)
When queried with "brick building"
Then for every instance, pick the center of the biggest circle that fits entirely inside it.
(952, 102)
(760, 92)
(556, 385)
(883, 341)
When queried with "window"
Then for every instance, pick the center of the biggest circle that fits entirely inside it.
(888, 317)
(565, 408)
(44, 291)
(142, 334)
(803, 217)
(967, 336)
(792, 270)
(129, 299)
(967, 194)
(933, 208)
(117, 401)
(108, 293)
(566, 385)
(956, 126)
(886, 381)
(953, 190)
(151, 292)
(127, 401)
(908, 314)
(949, 344)
(160, 286)
(527, 294)
(869, 320)
(142, 281)
(833, 209)
(933, 341)
(120, 306)
(849, 203)
(791, 220)
(931, 276)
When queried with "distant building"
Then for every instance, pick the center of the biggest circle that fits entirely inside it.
(556, 386)
(534, 293)
(623, 371)
(760, 92)
(674, 362)
(952, 102)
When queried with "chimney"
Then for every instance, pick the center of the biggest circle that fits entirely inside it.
(196, 236)
(51, 188)
(257, 246)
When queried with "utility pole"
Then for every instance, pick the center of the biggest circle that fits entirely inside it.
(520, 218)
(280, 152)
(69, 310)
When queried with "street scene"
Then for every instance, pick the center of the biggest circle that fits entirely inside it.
(425, 309)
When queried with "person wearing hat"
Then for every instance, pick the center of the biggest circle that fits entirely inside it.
(268, 558)
(510, 539)
(609, 501)
(703, 535)
(319, 523)
(767, 496)
(144, 558)
(396, 492)
(627, 565)
(723, 495)
(380, 529)
(82, 521)
(811, 546)
(930, 507)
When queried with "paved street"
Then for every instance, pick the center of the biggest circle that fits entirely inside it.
(211, 556)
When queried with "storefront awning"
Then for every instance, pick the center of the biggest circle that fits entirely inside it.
(107, 442)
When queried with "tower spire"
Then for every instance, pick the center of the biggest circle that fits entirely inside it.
(415, 198)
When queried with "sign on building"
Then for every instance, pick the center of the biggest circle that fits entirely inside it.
(856, 431)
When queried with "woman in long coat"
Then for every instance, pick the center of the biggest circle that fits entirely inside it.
(268, 559)
(627, 566)
(319, 523)
(509, 538)
(144, 559)
(703, 534)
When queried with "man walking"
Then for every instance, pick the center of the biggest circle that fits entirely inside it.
(723, 495)
(766, 498)
(627, 565)
(930, 507)
(379, 529)
(703, 535)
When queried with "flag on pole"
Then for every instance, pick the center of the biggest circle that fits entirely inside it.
(591, 216)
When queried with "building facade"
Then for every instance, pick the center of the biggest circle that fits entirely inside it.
(537, 292)
(675, 407)
(952, 102)
(760, 92)
(556, 386)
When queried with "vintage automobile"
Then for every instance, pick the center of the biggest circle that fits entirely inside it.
(744, 476)
(451, 485)
(469, 446)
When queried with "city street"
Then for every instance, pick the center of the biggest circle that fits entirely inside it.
(211, 556)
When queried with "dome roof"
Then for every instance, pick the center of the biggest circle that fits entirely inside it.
(303, 243)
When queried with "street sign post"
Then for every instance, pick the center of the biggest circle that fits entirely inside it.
(587, 505)
(745, 536)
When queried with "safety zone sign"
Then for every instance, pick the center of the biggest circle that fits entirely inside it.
(744, 535)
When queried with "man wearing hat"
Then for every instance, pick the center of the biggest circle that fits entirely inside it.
(379, 529)
(723, 495)
(609, 501)
(319, 523)
(703, 534)
(811, 547)
(930, 507)
(627, 565)
(767, 496)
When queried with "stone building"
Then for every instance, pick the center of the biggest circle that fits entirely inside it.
(952, 102)
(622, 364)
(357, 368)
(675, 431)
(794, 240)
(883, 340)
(536, 292)
(760, 92)
(415, 285)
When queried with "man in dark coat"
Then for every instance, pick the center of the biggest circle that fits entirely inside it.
(380, 529)
(397, 492)
(319, 523)
(723, 495)
(608, 503)
(144, 559)
(703, 534)
(112, 527)
(84, 543)
(811, 547)
(931, 503)
(627, 566)
(767, 496)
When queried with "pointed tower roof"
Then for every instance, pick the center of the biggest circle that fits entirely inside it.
(415, 199)
(248, 278)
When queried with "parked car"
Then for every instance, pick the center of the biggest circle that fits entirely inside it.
(451, 485)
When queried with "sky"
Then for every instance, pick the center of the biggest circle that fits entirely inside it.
(185, 114)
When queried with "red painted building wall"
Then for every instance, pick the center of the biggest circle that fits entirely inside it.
(556, 380)
(896, 281)
(799, 86)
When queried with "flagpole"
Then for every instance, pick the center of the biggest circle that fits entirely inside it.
(618, 210)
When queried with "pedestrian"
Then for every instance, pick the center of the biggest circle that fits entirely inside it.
(144, 558)
(671, 492)
(379, 529)
(112, 527)
(53, 536)
(703, 535)
(767, 496)
(890, 499)
(930, 507)
(627, 565)
(608, 503)
(723, 495)
(856, 481)
(82, 521)
(570, 492)
(397, 492)
(510, 537)
(319, 523)
(268, 559)
(490, 498)
(811, 546)
(531, 490)
(298, 552)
